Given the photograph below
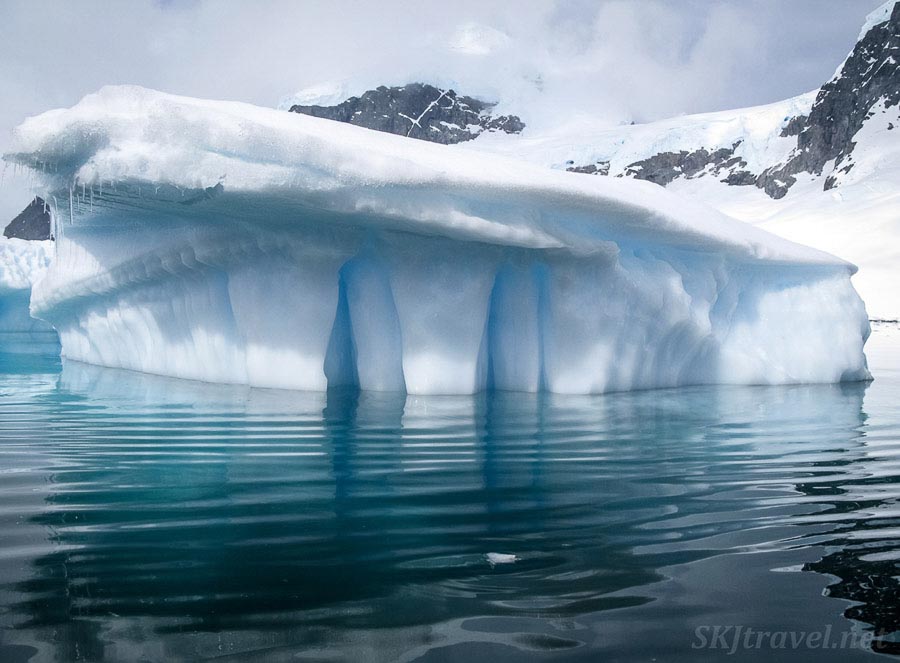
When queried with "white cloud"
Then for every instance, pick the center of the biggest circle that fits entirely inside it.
(478, 39)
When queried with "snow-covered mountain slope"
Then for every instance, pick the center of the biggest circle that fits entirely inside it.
(224, 242)
(768, 146)
(822, 168)
(718, 145)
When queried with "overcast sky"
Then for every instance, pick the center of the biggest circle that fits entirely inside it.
(545, 60)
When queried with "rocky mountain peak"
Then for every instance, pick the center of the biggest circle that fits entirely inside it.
(32, 223)
(869, 75)
(418, 110)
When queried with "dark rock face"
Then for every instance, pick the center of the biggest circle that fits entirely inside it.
(795, 126)
(32, 223)
(664, 167)
(419, 111)
(598, 168)
(740, 178)
(870, 73)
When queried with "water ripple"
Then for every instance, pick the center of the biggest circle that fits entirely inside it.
(153, 517)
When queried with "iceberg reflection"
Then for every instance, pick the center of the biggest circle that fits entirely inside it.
(183, 513)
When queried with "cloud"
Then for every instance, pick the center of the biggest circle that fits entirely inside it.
(478, 39)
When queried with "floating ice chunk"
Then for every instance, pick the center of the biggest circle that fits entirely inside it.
(494, 558)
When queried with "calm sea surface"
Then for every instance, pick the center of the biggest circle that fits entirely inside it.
(150, 519)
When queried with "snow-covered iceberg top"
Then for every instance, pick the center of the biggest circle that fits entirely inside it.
(126, 134)
(223, 242)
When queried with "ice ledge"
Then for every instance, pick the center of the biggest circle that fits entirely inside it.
(147, 139)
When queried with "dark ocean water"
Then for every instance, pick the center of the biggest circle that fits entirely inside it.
(143, 518)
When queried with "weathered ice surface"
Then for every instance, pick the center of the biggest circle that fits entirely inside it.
(22, 263)
(223, 242)
(32, 223)
(419, 111)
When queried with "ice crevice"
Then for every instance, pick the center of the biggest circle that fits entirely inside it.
(314, 254)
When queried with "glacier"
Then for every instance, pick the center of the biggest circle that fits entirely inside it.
(224, 242)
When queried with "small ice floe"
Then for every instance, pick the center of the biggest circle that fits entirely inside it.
(494, 558)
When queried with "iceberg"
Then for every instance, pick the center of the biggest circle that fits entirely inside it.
(22, 263)
(224, 242)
